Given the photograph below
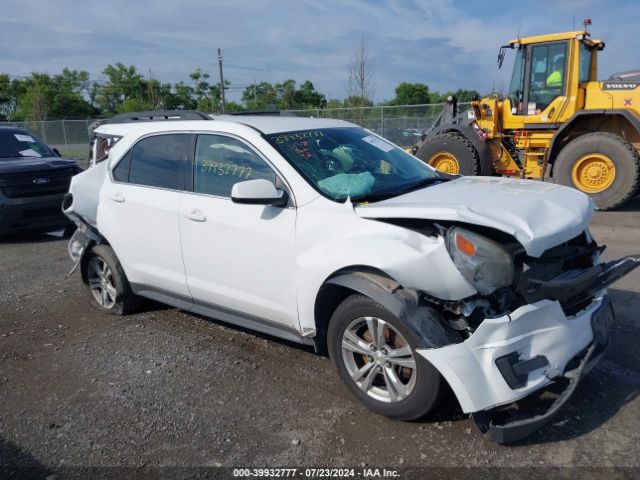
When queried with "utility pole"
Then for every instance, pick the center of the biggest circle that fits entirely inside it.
(221, 80)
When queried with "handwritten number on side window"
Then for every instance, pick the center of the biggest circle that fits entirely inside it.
(221, 168)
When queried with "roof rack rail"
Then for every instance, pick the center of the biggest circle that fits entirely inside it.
(272, 113)
(155, 116)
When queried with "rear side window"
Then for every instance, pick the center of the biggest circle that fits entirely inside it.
(121, 172)
(221, 162)
(156, 161)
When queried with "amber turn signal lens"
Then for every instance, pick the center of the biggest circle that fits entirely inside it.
(465, 246)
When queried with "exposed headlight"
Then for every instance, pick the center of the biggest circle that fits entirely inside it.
(485, 263)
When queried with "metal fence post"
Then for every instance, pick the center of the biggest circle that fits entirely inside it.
(44, 131)
(64, 136)
(382, 121)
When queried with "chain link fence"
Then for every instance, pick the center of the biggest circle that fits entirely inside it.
(401, 125)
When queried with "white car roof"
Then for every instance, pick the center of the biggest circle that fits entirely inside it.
(264, 123)
(274, 124)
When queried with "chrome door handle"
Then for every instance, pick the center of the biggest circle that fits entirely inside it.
(196, 216)
(117, 197)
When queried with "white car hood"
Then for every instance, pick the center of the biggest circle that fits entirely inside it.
(539, 215)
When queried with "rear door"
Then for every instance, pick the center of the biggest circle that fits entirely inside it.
(138, 213)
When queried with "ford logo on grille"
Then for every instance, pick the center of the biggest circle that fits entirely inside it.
(41, 181)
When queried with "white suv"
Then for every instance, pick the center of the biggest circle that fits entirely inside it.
(321, 232)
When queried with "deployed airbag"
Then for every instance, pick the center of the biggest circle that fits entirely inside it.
(346, 185)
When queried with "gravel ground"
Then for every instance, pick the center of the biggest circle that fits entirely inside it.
(168, 388)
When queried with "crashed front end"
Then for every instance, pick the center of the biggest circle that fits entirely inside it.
(528, 342)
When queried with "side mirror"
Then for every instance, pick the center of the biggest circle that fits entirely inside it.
(56, 151)
(259, 192)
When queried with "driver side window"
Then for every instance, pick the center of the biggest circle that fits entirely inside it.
(221, 162)
(547, 76)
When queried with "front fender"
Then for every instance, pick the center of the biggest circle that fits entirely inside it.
(416, 262)
(405, 304)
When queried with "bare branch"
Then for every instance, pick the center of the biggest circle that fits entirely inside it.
(361, 70)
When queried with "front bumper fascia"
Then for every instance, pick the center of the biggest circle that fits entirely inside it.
(535, 347)
(504, 427)
(472, 368)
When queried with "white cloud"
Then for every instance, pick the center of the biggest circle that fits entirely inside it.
(442, 43)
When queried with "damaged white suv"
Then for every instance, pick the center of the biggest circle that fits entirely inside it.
(321, 232)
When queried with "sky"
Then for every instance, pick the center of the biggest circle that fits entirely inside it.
(445, 44)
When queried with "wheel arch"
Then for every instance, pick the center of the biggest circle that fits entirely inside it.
(94, 238)
(404, 303)
(618, 121)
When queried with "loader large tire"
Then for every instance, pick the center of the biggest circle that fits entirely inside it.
(603, 165)
(451, 152)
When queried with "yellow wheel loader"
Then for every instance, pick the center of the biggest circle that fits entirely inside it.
(556, 121)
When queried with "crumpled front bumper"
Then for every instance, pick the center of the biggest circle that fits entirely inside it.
(517, 356)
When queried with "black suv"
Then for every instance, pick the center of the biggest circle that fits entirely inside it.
(33, 181)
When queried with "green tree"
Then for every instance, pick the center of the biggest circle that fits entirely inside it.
(260, 96)
(461, 94)
(357, 101)
(122, 83)
(334, 103)
(69, 95)
(34, 101)
(286, 94)
(10, 92)
(308, 97)
(233, 107)
(464, 95)
(181, 97)
(207, 94)
(134, 104)
(411, 94)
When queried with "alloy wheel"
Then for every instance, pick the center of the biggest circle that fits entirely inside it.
(101, 282)
(379, 359)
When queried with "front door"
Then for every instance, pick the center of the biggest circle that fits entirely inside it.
(238, 258)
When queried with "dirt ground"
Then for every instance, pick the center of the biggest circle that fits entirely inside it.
(168, 388)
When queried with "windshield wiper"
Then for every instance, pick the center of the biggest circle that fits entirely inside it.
(374, 197)
(425, 182)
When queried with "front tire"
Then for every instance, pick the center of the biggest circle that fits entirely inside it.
(374, 355)
(602, 165)
(109, 289)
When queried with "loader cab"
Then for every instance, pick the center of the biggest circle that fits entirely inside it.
(547, 84)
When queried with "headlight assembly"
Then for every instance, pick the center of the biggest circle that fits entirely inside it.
(485, 263)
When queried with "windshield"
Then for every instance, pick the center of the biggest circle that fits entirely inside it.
(352, 163)
(16, 144)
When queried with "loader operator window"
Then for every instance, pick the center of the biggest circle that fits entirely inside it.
(547, 75)
(515, 90)
(585, 63)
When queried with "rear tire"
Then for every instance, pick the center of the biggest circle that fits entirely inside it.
(435, 151)
(603, 165)
(367, 366)
(109, 289)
